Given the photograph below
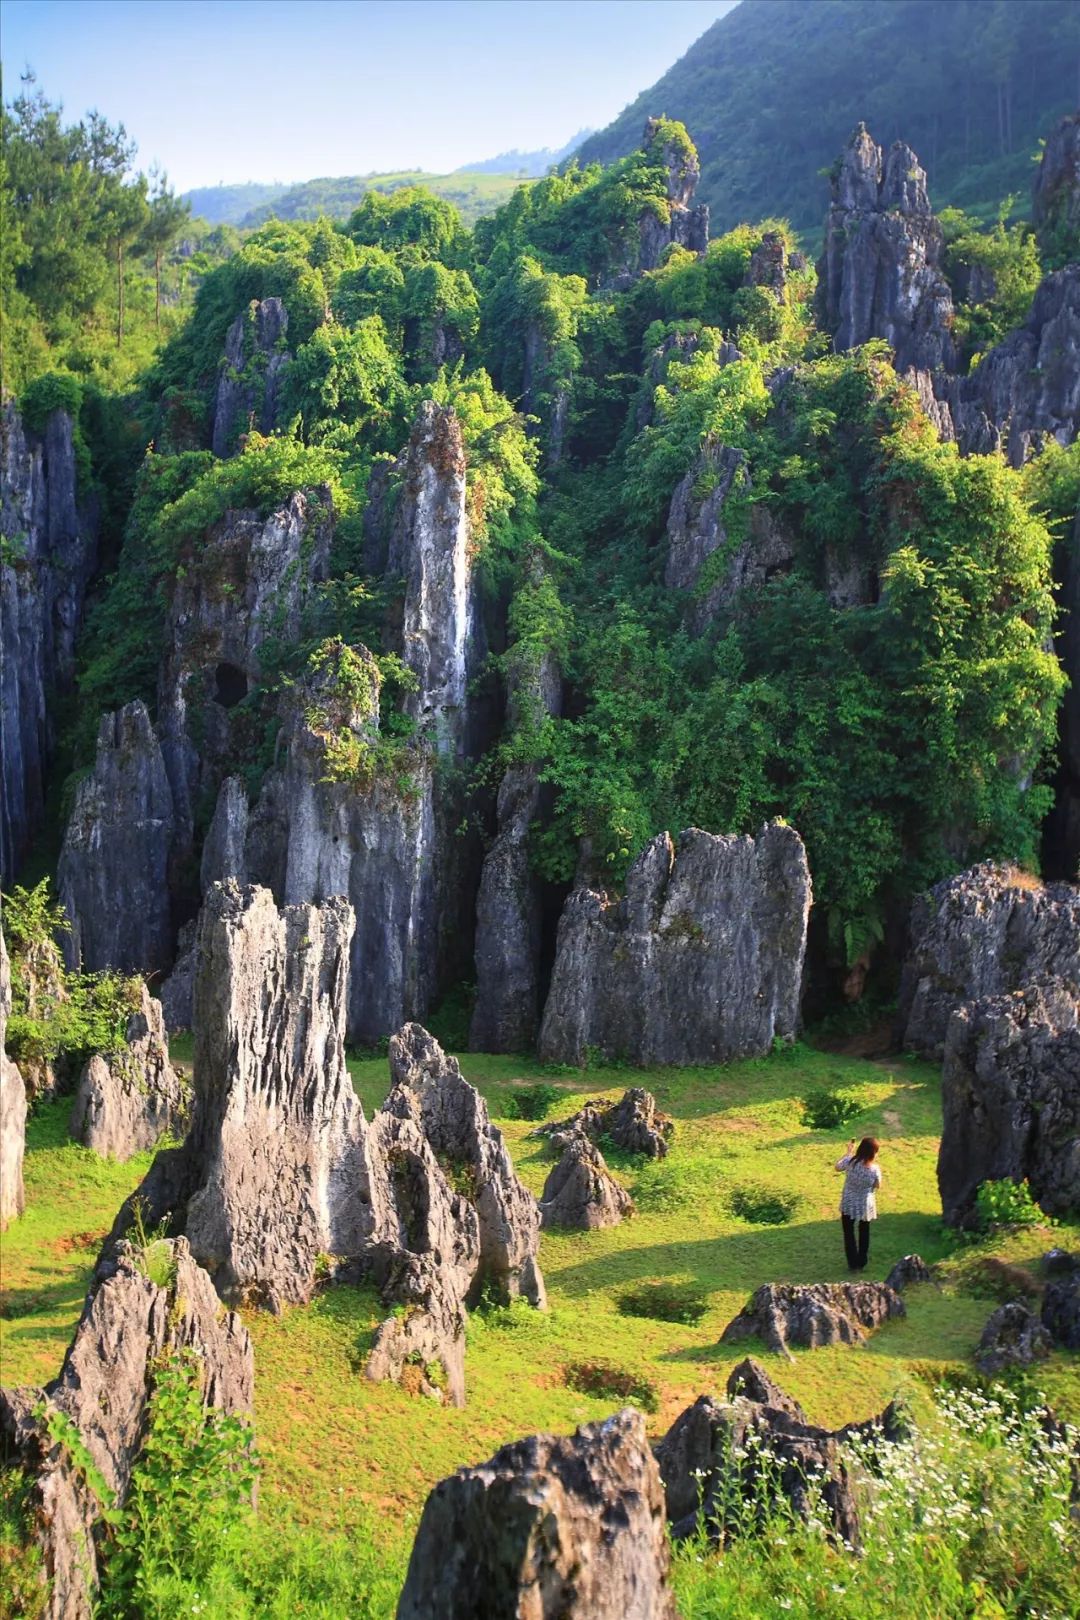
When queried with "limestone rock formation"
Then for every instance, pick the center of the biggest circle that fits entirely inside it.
(1055, 208)
(880, 274)
(580, 1192)
(1013, 1337)
(128, 1100)
(1061, 840)
(128, 1324)
(1011, 1099)
(50, 552)
(177, 991)
(986, 931)
(695, 529)
(686, 225)
(813, 1314)
(430, 1088)
(700, 962)
(634, 1123)
(549, 1529)
(12, 1109)
(910, 1268)
(250, 381)
(763, 1438)
(1061, 1310)
(112, 877)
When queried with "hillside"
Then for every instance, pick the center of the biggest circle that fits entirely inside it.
(771, 92)
(472, 193)
(227, 205)
(530, 164)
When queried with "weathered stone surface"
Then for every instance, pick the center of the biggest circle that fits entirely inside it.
(50, 553)
(760, 1442)
(1061, 1310)
(1011, 1100)
(430, 1088)
(701, 962)
(695, 529)
(580, 1191)
(634, 1123)
(128, 1100)
(250, 381)
(177, 991)
(12, 1109)
(112, 877)
(986, 931)
(814, 1314)
(1013, 1337)
(686, 225)
(1055, 208)
(911, 1268)
(880, 274)
(1061, 834)
(127, 1325)
(224, 852)
(549, 1529)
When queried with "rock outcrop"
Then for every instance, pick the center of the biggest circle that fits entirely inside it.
(696, 529)
(580, 1192)
(685, 225)
(549, 1529)
(176, 993)
(129, 1325)
(49, 554)
(249, 385)
(1055, 210)
(1060, 1314)
(1013, 1337)
(113, 874)
(1011, 1099)
(1061, 833)
(909, 1269)
(985, 932)
(634, 1123)
(700, 962)
(814, 1314)
(880, 274)
(129, 1099)
(12, 1109)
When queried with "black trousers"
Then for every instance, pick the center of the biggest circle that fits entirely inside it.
(857, 1251)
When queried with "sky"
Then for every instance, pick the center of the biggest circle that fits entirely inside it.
(231, 90)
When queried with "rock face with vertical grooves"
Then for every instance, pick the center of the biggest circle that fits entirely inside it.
(50, 555)
(112, 878)
(988, 931)
(128, 1100)
(1055, 210)
(12, 1109)
(700, 962)
(250, 382)
(1011, 1099)
(813, 1314)
(549, 1529)
(128, 1324)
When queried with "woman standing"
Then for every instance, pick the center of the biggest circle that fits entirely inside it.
(858, 1203)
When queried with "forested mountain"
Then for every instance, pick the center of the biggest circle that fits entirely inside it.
(531, 165)
(473, 193)
(772, 89)
(228, 205)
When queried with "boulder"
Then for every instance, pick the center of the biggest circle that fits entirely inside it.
(700, 962)
(1011, 1100)
(634, 1124)
(1061, 1310)
(1013, 1337)
(814, 1314)
(113, 874)
(580, 1192)
(12, 1109)
(911, 1268)
(249, 385)
(128, 1100)
(129, 1325)
(549, 1529)
(987, 931)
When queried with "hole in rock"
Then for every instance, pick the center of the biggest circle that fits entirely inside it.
(230, 685)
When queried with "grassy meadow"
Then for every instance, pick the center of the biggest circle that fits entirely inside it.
(340, 1453)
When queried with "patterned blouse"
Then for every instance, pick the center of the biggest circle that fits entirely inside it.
(860, 1184)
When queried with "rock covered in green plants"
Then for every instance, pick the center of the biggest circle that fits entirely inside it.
(128, 1099)
(634, 1123)
(1012, 1337)
(1056, 202)
(250, 382)
(700, 962)
(551, 1528)
(12, 1109)
(813, 1314)
(580, 1192)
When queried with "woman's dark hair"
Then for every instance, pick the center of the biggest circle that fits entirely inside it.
(867, 1150)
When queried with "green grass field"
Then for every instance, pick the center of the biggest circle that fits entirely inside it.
(338, 1451)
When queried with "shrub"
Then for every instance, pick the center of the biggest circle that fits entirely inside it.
(763, 1206)
(824, 1108)
(605, 1381)
(1006, 1203)
(531, 1102)
(665, 1302)
(666, 1185)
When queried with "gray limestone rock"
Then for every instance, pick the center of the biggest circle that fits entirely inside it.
(695, 530)
(1061, 843)
(911, 1268)
(1013, 1337)
(49, 554)
(177, 991)
(12, 1109)
(1011, 1099)
(813, 1314)
(128, 1100)
(580, 1192)
(112, 877)
(1055, 208)
(1061, 1310)
(224, 852)
(700, 962)
(549, 1529)
(685, 225)
(634, 1124)
(880, 274)
(249, 384)
(986, 931)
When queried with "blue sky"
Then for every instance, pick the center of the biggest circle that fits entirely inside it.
(229, 90)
